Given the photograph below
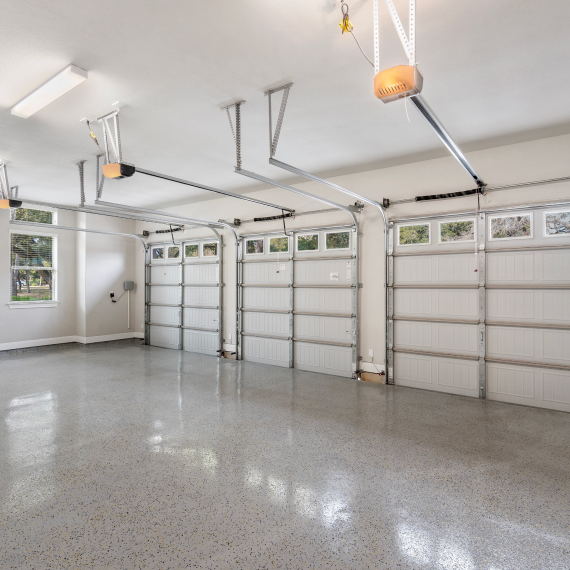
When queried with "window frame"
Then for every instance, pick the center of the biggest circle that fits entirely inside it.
(262, 239)
(203, 243)
(54, 218)
(474, 220)
(279, 252)
(338, 248)
(546, 235)
(428, 242)
(186, 244)
(53, 302)
(297, 236)
(514, 215)
(167, 247)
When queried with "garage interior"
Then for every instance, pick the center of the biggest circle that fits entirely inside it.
(278, 297)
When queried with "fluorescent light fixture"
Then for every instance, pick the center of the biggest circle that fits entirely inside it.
(58, 85)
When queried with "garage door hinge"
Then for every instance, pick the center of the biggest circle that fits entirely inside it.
(360, 285)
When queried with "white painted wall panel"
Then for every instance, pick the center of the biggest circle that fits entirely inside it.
(533, 305)
(168, 295)
(529, 385)
(265, 351)
(437, 303)
(451, 375)
(266, 323)
(447, 338)
(266, 298)
(165, 274)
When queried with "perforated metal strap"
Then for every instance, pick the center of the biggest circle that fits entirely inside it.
(408, 44)
(81, 182)
(279, 120)
(4, 184)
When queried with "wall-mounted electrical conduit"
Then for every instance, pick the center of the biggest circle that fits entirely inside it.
(120, 169)
(239, 170)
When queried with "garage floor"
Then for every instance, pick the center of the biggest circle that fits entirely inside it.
(120, 456)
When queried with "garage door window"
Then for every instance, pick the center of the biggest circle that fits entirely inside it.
(308, 242)
(210, 249)
(254, 246)
(414, 234)
(279, 245)
(173, 252)
(457, 230)
(158, 253)
(337, 240)
(511, 227)
(557, 223)
(191, 250)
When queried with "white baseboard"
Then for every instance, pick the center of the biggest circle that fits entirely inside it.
(66, 339)
(229, 347)
(369, 367)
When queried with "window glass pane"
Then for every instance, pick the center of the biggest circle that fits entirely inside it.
(457, 231)
(158, 253)
(279, 245)
(411, 235)
(510, 227)
(31, 285)
(31, 251)
(29, 215)
(558, 223)
(309, 242)
(254, 246)
(191, 250)
(173, 252)
(340, 240)
(210, 249)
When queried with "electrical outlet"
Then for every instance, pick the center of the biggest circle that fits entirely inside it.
(230, 337)
(111, 294)
(371, 353)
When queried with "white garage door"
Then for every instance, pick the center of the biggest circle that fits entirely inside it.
(184, 305)
(298, 300)
(501, 332)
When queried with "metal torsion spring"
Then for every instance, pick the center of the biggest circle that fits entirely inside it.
(450, 195)
(282, 216)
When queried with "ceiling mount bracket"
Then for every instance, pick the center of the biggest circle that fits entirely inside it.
(274, 137)
(237, 133)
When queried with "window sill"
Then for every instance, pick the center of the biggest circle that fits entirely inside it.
(32, 304)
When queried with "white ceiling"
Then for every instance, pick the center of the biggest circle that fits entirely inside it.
(495, 73)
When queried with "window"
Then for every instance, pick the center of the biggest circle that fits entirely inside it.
(191, 250)
(337, 240)
(415, 234)
(32, 263)
(173, 252)
(511, 227)
(158, 252)
(457, 230)
(34, 215)
(254, 246)
(210, 249)
(557, 223)
(308, 242)
(279, 245)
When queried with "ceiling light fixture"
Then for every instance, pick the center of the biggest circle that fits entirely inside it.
(59, 84)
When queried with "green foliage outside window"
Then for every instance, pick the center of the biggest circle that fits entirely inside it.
(158, 253)
(309, 242)
(279, 245)
(457, 231)
(340, 240)
(29, 215)
(210, 249)
(31, 261)
(411, 235)
(510, 227)
(173, 252)
(254, 246)
(191, 250)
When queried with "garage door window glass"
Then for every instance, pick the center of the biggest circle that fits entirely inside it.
(458, 230)
(32, 264)
(173, 252)
(511, 227)
(279, 245)
(191, 250)
(210, 249)
(158, 253)
(308, 242)
(557, 223)
(33, 215)
(416, 234)
(337, 240)
(254, 246)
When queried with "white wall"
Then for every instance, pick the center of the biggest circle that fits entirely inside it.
(536, 160)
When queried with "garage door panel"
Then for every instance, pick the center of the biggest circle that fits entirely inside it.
(167, 295)
(323, 272)
(529, 385)
(202, 273)
(452, 269)
(529, 344)
(332, 329)
(200, 341)
(447, 338)
(451, 375)
(267, 272)
(201, 296)
(266, 323)
(266, 351)
(324, 300)
(266, 298)
(201, 317)
(165, 337)
(165, 274)
(165, 315)
(541, 267)
(323, 359)
(437, 303)
(535, 305)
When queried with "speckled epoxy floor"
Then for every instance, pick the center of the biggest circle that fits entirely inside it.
(120, 456)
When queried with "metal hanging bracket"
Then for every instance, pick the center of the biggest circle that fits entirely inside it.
(237, 132)
(81, 182)
(112, 136)
(274, 137)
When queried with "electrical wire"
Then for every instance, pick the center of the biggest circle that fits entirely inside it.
(92, 133)
(346, 26)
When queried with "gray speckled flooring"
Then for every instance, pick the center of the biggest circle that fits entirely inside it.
(121, 456)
